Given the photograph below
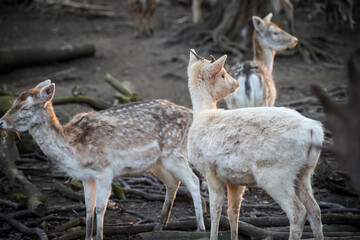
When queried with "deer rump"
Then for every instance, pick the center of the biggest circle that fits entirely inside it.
(260, 141)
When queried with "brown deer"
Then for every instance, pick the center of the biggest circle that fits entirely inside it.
(257, 87)
(96, 147)
(143, 11)
(275, 148)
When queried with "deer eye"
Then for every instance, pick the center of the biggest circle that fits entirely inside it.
(25, 109)
(223, 75)
(275, 33)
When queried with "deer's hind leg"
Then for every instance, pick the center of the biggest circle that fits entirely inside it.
(305, 194)
(90, 196)
(172, 186)
(234, 201)
(281, 188)
(103, 190)
(179, 167)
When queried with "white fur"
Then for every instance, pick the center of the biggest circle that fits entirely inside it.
(275, 148)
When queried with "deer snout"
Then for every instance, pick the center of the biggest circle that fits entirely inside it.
(295, 41)
(1, 123)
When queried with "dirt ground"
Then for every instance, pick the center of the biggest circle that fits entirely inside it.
(155, 69)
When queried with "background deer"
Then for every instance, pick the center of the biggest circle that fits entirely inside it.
(95, 147)
(257, 87)
(275, 148)
(143, 11)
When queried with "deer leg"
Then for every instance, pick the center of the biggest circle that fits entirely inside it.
(234, 201)
(172, 185)
(90, 196)
(151, 21)
(281, 189)
(216, 194)
(179, 167)
(103, 190)
(305, 194)
(138, 25)
(145, 24)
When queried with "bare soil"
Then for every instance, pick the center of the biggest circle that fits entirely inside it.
(155, 69)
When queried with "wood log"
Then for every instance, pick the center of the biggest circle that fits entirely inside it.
(283, 221)
(9, 154)
(16, 57)
(79, 8)
(68, 192)
(178, 235)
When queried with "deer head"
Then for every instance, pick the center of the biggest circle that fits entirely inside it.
(272, 36)
(210, 76)
(26, 109)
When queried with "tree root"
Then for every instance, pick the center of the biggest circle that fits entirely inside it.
(36, 200)
(22, 228)
(312, 50)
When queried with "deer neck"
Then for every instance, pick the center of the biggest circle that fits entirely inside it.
(201, 101)
(48, 134)
(262, 54)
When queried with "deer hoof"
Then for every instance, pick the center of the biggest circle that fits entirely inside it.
(158, 227)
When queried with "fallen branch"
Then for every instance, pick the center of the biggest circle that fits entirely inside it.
(22, 228)
(125, 95)
(68, 192)
(16, 57)
(72, 223)
(79, 8)
(9, 203)
(94, 103)
(283, 221)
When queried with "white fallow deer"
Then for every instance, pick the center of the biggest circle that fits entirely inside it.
(257, 87)
(96, 147)
(275, 148)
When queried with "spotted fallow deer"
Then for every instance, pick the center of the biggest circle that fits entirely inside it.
(96, 147)
(143, 11)
(275, 148)
(257, 87)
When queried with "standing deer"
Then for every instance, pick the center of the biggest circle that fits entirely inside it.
(257, 87)
(95, 147)
(275, 148)
(143, 11)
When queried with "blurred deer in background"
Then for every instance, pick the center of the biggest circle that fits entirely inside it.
(284, 7)
(275, 148)
(96, 147)
(143, 11)
(338, 13)
(257, 87)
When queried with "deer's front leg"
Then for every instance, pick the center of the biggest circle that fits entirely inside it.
(90, 196)
(103, 190)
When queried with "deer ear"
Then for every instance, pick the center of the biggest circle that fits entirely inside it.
(259, 24)
(218, 65)
(43, 84)
(193, 57)
(268, 17)
(47, 93)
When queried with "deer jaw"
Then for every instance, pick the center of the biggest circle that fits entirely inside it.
(208, 82)
(269, 38)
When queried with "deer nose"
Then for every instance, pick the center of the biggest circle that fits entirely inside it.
(295, 41)
(1, 123)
